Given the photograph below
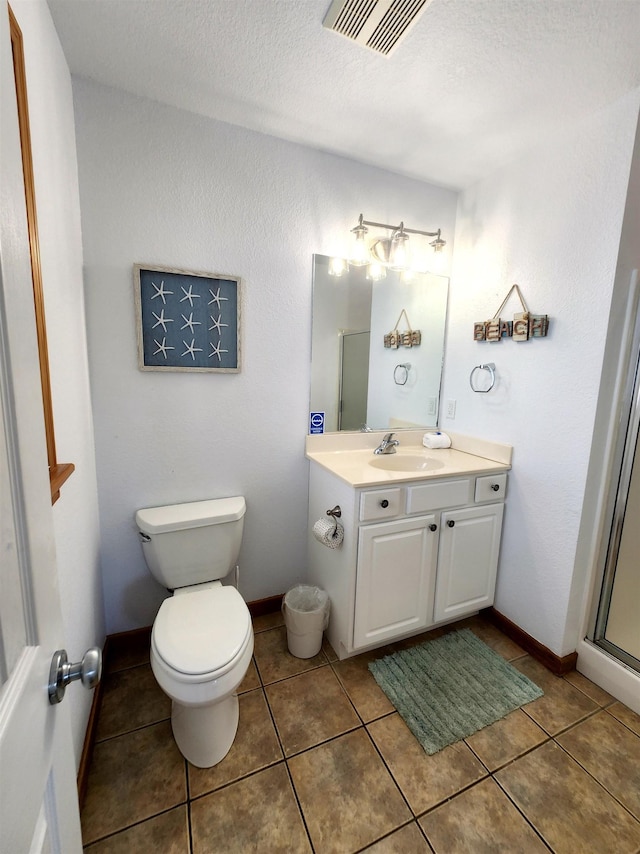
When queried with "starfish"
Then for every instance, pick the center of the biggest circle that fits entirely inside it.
(216, 323)
(160, 292)
(190, 323)
(162, 348)
(191, 349)
(189, 295)
(162, 320)
(217, 297)
(216, 351)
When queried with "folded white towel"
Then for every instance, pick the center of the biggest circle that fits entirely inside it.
(329, 533)
(436, 440)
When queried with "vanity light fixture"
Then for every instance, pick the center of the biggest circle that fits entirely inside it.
(393, 251)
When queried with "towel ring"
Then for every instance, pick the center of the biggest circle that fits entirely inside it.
(402, 378)
(491, 368)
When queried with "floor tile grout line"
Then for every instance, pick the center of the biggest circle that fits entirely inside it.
(131, 731)
(515, 758)
(511, 800)
(235, 780)
(412, 820)
(133, 824)
(626, 726)
(389, 771)
(348, 696)
(299, 805)
(599, 782)
(189, 824)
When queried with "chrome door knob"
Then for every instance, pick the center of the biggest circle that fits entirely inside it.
(61, 673)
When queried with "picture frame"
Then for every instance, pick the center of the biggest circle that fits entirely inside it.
(187, 320)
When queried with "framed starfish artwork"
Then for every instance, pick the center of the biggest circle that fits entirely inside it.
(187, 321)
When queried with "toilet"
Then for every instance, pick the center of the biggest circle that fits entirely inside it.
(202, 638)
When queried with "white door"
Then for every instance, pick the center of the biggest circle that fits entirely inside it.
(38, 797)
(395, 579)
(468, 560)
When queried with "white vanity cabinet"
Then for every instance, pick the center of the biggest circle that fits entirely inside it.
(467, 560)
(415, 554)
(395, 579)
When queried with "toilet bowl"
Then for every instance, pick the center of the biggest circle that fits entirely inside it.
(202, 638)
(201, 648)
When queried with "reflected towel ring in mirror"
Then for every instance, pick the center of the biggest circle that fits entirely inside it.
(491, 368)
(401, 373)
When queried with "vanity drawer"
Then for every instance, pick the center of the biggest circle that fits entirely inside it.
(433, 496)
(380, 504)
(491, 488)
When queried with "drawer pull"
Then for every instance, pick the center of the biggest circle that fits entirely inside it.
(384, 502)
(495, 487)
(433, 527)
(450, 523)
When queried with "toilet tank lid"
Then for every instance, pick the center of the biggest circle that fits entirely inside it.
(196, 514)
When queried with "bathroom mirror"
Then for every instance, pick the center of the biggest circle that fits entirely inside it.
(355, 379)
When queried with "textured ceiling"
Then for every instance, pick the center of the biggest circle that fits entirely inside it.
(474, 83)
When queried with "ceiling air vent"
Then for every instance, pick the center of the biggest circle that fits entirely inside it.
(377, 24)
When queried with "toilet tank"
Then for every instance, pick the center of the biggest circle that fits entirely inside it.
(185, 544)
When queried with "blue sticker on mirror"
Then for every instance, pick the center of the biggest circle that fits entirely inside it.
(316, 422)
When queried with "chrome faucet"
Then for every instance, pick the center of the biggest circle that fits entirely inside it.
(388, 445)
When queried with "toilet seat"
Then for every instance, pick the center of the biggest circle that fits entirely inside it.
(202, 633)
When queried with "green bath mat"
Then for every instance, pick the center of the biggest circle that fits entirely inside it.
(450, 687)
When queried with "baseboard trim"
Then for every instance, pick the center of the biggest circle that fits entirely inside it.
(555, 663)
(260, 607)
(90, 733)
(117, 645)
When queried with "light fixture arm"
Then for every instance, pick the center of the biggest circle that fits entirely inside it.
(401, 227)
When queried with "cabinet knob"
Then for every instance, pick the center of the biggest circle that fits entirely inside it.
(433, 527)
(450, 523)
(384, 503)
(495, 487)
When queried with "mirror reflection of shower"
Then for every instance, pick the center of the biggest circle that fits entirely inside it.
(354, 379)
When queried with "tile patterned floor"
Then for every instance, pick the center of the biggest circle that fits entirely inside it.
(322, 763)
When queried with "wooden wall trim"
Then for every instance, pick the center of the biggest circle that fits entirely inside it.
(555, 663)
(59, 472)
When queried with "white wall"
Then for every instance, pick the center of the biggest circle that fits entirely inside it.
(162, 186)
(58, 210)
(550, 222)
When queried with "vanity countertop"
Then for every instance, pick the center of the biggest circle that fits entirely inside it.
(360, 467)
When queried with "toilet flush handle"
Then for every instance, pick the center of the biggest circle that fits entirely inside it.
(144, 537)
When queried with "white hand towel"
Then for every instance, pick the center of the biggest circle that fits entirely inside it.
(328, 533)
(436, 440)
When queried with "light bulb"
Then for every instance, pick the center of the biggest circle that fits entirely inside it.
(359, 250)
(399, 257)
(337, 267)
(376, 271)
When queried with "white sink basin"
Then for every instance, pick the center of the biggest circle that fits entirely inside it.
(405, 462)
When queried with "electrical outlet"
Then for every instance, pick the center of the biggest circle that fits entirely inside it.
(432, 403)
(451, 409)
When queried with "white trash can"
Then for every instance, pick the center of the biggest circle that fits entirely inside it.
(306, 616)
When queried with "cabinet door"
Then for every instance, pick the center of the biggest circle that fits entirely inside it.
(395, 579)
(467, 560)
